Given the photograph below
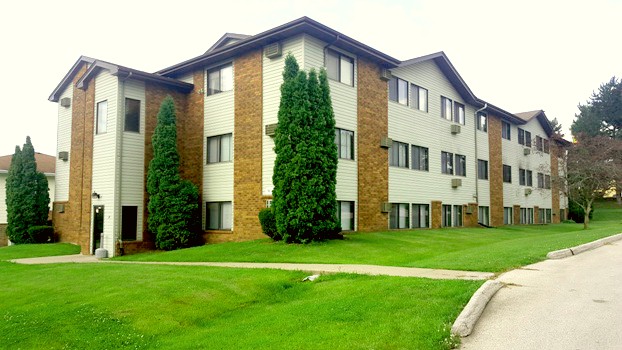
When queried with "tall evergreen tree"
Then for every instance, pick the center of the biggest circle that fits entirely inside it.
(27, 194)
(173, 202)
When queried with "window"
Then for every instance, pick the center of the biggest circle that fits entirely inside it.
(541, 216)
(102, 116)
(505, 130)
(346, 215)
(507, 173)
(340, 67)
(398, 90)
(219, 149)
(483, 214)
(132, 115)
(457, 215)
(447, 163)
(419, 98)
(446, 215)
(220, 79)
(345, 143)
(545, 145)
(446, 108)
(508, 217)
(218, 215)
(399, 155)
(420, 158)
(482, 121)
(540, 180)
(547, 216)
(399, 215)
(421, 215)
(524, 137)
(526, 216)
(562, 214)
(460, 165)
(129, 220)
(459, 113)
(524, 177)
(482, 169)
(547, 181)
(539, 144)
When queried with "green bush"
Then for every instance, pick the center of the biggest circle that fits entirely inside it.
(41, 234)
(576, 213)
(268, 224)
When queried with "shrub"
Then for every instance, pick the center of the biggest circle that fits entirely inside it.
(41, 234)
(268, 224)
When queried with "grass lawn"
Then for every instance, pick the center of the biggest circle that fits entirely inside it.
(109, 306)
(474, 249)
(36, 250)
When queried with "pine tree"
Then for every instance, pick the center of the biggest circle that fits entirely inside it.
(173, 202)
(27, 194)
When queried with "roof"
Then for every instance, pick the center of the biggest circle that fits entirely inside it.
(55, 96)
(298, 26)
(542, 119)
(45, 163)
(227, 39)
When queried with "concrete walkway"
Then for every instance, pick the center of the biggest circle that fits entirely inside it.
(313, 268)
(573, 303)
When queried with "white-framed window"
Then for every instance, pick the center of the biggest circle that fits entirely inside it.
(547, 182)
(525, 177)
(420, 216)
(506, 130)
(507, 173)
(220, 79)
(345, 143)
(420, 158)
(526, 216)
(524, 137)
(346, 215)
(482, 169)
(540, 180)
(419, 97)
(508, 216)
(340, 67)
(132, 115)
(483, 214)
(446, 108)
(459, 113)
(447, 163)
(218, 215)
(460, 165)
(102, 117)
(399, 217)
(398, 90)
(542, 144)
(548, 216)
(219, 148)
(482, 121)
(457, 215)
(446, 215)
(399, 154)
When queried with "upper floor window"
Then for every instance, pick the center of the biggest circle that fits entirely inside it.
(525, 177)
(419, 97)
(102, 116)
(398, 90)
(545, 145)
(345, 143)
(447, 163)
(420, 158)
(460, 165)
(446, 108)
(132, 115)
(507, 173)
(219, 148)
(524, 137)
(399, 155)
(505, 130)
(540, 180)
(220, 79)
(482, 121)
(459, 113)
(542, 144)
(482, 169)
(547, 181)
(340, 67)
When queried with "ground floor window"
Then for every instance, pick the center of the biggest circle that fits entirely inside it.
(421, 215)
(483, 214)
(346, 215)
(526, 216)
(562, 214)
(129, 219)
(547, 216)
(218, 215)
(399, 215)
(457, 215)
(508, 217)
(541, 216)
(446, 215)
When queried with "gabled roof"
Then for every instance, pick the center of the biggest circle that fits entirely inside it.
(298, 26)
(69, 77)
(45, 163)
(542, 119)
(227, 39)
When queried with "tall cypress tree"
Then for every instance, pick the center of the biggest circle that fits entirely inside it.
(173, 202)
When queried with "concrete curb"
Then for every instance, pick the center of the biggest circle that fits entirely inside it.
(463, 326)
(564, 253)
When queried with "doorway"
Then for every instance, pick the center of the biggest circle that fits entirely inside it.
(98, 227)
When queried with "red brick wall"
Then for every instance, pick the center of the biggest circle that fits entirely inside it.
(436, 214)
(555, 205)
(3, 238)
(495, 169)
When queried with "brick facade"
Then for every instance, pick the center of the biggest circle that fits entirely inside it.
(373, 161)
(470, 219)
(3, 237)
(555, 184)
(516, 212)
(436, 214)
(495, 168)
(536, 214)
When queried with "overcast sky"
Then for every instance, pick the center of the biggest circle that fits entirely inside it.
(519, 55)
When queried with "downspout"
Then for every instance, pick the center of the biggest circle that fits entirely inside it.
(476, 120)
(119, 233)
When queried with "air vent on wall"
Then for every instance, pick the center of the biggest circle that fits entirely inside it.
(455, 129)
(456, 183)
(385, 74)
(65, 102)
(273, 50)
(385, 207)
(526, 151)
(386, 142)
(271, 129)
(527, 191)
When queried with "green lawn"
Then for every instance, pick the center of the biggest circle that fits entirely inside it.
(109, 306)
(474, 249)
(36, 250)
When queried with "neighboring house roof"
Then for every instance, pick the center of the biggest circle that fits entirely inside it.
(227, 39)
(45, 163)
(55, 96)
(542, 119)
(298, 26)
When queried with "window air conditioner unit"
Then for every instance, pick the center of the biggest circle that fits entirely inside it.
(385, 74)
(273, 50)
(455, 129)
(386, 142)
(64, 156)
(455, 183)
(65, 102)
(385, 207)
(271, 129)
(527, 191)
(527, 151)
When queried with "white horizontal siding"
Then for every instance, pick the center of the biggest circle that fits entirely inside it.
(63, 144)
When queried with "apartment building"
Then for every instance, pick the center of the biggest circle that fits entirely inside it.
(416, 147)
